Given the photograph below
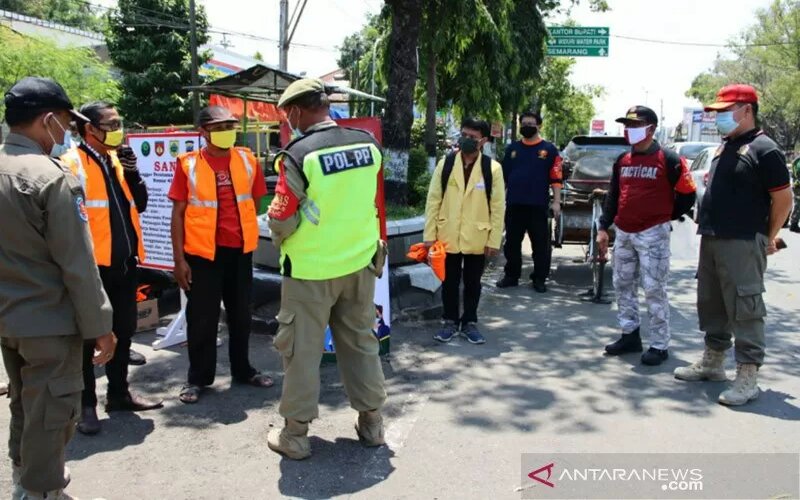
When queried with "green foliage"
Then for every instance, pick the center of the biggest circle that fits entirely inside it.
(418, 137)
(766, 56)
(419, 178)
(258, 56)
(355, 58)
(78, 70)
(75, 13)
(153, 52)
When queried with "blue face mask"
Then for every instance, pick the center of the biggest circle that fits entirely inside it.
(61, 148)
(296, 133)
(726, 123)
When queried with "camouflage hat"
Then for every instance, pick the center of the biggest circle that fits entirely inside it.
(301, 88)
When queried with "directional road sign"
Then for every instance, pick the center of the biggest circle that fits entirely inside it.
(576, 41)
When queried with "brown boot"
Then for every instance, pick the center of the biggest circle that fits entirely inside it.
(291, 441)
(369, 426)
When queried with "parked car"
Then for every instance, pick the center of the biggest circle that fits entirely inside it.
(690, 150)
(700, 169)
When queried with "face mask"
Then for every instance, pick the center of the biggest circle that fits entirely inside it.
(726, 123)
(296, 133)
(636, 135)
(468, 144)
(113, 138)
(223, 139)
(528, 131)
(61, 148)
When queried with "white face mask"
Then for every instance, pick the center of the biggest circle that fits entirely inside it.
(60, 148)
(636, 135)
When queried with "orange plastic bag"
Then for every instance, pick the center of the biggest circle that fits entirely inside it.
(436, 257)
(433, 256)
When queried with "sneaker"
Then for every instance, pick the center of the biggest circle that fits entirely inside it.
(628, 342)
(472, 334)
(507, 282)
(654, 357)
(448, 331)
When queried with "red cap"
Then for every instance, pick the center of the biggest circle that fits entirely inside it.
(731, 94)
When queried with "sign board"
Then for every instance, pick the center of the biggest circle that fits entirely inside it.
(157, 156)
(598, 127)
(576, 41)
(697, 116)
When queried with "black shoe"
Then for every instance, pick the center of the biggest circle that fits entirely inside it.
(795, 228)
(132, 402)
(628, 342)
(539, 286)
(89, 424)
(136, 359)
(507, 282)
(654, 357)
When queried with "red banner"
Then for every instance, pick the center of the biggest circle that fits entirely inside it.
(256, 110)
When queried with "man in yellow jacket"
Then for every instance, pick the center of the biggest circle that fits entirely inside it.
(465, 210)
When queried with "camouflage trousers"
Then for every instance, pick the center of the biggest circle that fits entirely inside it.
(643, 257)
(796, 213)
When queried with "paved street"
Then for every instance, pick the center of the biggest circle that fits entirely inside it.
(459, 416)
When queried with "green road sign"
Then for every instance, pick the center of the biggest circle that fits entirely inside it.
(577, 41)
(577, 51)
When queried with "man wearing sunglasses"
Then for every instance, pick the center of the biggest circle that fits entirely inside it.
(115, 195)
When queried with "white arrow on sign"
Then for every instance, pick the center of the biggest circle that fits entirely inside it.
(602, 31)
(602, 52)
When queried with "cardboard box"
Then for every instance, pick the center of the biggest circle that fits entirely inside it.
(147, 318)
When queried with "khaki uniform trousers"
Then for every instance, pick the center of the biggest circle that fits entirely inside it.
(45, 384)
(730, 284)
(307, 307)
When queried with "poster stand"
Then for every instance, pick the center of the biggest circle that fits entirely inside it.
(175, 332)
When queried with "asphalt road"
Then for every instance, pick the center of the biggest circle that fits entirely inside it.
(459, 417)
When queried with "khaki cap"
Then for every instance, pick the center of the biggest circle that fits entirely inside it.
(300, 88)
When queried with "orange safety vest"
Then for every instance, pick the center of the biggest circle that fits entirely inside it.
(200, 229)
(89, 172)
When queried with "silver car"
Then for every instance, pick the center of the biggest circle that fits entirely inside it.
(690, 150)
(700, 169)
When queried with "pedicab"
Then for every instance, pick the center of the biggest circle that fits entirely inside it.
(587, 165)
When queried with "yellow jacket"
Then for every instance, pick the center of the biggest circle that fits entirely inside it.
(461, 217)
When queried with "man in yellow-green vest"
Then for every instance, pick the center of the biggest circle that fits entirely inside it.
(325, 222)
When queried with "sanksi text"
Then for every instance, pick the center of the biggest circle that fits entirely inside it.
(333, 163)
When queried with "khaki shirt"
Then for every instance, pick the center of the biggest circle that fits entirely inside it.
(49, 282)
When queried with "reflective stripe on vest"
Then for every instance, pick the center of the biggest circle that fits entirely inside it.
(339, 230)
(200, 228)
(90, 174)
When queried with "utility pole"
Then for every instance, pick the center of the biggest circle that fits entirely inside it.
(286, 30)
(193, 48)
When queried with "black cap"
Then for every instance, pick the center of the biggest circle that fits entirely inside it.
(39, 93)
(639, 114)
(215, 114)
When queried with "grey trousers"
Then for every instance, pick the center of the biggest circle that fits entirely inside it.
(45, 384)
(730, 305)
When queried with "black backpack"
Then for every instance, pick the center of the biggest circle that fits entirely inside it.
(486, 170)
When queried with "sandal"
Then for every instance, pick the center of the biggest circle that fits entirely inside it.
(190, 394)
(260, 380)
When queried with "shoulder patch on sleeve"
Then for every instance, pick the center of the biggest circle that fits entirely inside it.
(80, 208)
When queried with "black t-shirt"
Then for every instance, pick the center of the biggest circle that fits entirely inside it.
(744, 172)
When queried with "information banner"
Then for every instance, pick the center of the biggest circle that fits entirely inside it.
(157, 156)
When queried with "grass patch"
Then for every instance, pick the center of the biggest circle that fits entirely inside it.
(397, 212)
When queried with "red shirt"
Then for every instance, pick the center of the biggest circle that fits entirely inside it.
(229, 229)
(646, 195)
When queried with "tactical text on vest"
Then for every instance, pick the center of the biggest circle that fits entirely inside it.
(340, 161)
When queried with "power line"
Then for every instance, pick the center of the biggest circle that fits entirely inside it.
(702, 44)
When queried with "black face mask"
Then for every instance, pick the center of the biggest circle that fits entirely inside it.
(468, 144)
(528, 131)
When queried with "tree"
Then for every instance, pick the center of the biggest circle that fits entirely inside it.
(148, 42)
(83, 76)
(399, 115)
(75, 13)
(258, 56)
(767, 56)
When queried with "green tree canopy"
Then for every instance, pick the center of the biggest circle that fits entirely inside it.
(767, 56)
(75, 13)
(148, 42)
(78, 70)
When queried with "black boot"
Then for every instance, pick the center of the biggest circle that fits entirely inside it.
(89, 424)
(507, 282)
(628, 342)
(654, 357)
